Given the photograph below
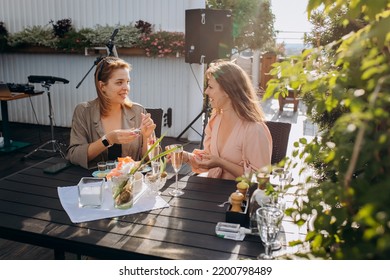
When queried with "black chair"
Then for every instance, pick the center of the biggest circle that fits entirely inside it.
(280, 133)
(157, 116)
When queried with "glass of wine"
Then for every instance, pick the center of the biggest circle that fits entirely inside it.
(177, 161)
(269, 220)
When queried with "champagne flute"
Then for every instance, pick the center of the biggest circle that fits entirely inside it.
(177, 161)
(268, 222)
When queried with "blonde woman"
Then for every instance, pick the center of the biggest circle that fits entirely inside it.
(237, 140)
(102, 128)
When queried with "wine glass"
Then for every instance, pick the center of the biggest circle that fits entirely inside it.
(283, 175)
(268, 222)
(177, 161)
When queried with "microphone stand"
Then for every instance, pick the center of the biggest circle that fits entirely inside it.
(96, 62)
(111, 52)
(110, 44)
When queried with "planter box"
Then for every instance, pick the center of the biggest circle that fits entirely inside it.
(40, 50)
(87, 51)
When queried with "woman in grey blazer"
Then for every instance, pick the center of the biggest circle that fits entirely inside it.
(103, 128)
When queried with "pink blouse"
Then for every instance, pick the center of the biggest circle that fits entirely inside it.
(249, 145)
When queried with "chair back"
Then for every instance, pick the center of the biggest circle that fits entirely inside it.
(157, 116)
(280, 133)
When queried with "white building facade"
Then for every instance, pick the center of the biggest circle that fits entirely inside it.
(155, 82)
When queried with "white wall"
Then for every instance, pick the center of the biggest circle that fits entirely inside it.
(156, 82)
(165, 14)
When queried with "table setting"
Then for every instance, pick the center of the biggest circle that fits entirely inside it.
(122, 187)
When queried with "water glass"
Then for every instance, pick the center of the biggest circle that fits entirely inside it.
(153, 181)
(269, 220)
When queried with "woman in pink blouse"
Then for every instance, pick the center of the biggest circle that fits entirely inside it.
(237, 140)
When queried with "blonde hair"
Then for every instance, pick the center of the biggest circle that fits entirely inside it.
(238, 86)
(103, 73)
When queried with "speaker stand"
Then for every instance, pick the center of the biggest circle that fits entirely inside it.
(205, 111)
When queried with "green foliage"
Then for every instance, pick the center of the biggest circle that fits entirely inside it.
(346, 87)
(253, 22)
(328, 28)
(72, 41)
(33, 36)
(63, 37)
(128, 35)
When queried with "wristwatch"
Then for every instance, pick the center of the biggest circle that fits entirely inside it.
(105, 142)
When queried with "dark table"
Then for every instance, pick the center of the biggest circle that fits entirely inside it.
(14, 145)
(31, 212)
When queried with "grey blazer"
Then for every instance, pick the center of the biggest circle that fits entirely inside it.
(87, 128)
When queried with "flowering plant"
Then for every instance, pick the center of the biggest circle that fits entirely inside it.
(163, 43)
(62, 36)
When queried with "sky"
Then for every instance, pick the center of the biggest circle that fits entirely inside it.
(291, 18)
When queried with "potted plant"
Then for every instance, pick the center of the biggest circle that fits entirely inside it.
(345, 85)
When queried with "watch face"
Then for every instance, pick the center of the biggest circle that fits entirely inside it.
(105, 142)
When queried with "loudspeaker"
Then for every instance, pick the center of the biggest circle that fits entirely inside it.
(208, 35)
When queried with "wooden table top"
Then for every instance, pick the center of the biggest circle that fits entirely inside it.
(19, 96)
(31, 212)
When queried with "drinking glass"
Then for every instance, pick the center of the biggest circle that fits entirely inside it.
(153, 153)
(177, 161)
(102, 166)
(278, 202)
(268, 222)
(283, 175)
(153, 181)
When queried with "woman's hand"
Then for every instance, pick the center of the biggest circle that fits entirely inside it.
(122, 136)
(147, 125)
(207, 161)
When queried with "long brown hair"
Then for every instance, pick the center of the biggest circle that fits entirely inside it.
(103, 73)
(237, 84)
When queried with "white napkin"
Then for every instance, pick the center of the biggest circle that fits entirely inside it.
(69, 200)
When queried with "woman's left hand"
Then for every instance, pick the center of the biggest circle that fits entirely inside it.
(147, 125)
(207, 161)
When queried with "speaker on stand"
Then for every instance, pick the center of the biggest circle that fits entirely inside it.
(208, 36)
